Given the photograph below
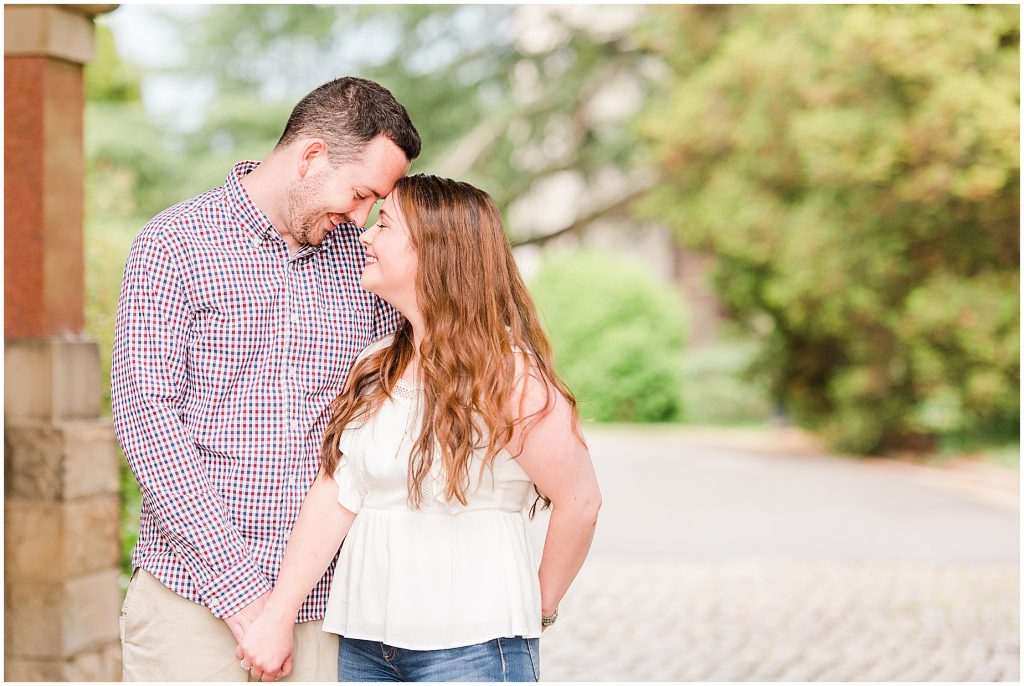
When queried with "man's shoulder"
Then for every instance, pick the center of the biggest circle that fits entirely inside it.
(184, 219)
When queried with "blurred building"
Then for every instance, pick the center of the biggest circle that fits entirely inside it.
(569, 211)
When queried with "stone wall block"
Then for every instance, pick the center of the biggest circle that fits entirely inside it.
(92, 606)
(52, 541)
(32, 619)
(28, 385)
(48, 462)
(76, 375)
(33, 541)
(44, 621)
(94, 664)
(92, 459)
(51, 379)
(98, 664)
(34, 462)
(91, 534)
(20, 669)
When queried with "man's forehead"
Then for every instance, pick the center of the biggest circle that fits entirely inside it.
(369, 181)
(378, 185)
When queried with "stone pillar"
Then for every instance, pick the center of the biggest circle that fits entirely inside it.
(61, 538)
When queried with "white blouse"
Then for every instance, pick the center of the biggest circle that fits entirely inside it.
(443, 575)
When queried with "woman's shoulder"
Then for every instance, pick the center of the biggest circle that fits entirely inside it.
(378, 344)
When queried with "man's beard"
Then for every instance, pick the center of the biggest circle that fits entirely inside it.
(302, 221)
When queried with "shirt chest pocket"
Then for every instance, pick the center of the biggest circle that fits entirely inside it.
(227, 337)
(339, 289)
(344, 303)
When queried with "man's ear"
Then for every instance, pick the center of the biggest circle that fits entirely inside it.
(310, 150)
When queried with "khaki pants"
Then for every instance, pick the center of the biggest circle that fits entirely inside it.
(165, 637)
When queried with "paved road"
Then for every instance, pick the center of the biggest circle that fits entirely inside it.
(715, 562)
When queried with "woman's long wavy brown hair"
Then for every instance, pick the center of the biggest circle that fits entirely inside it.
(475, 308)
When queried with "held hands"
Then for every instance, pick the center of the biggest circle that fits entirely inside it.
(266, 646)
(240, 621)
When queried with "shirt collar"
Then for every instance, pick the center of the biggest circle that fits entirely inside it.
(255, 223)
(252, 219)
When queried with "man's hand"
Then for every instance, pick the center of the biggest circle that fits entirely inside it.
(240, 621)
(267, 645)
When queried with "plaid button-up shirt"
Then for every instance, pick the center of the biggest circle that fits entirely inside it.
(226, 355)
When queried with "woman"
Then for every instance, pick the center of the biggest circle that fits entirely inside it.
(441, 438)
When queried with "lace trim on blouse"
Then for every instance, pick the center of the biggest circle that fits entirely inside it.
(405, 390)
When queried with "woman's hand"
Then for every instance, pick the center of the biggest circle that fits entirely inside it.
(554, 456)
(267, 645)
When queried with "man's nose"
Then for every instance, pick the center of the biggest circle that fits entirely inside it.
(359, 214)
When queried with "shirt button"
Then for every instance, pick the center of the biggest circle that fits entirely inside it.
(291, 372)
(255, 241)
(295, 317)
(295, 425)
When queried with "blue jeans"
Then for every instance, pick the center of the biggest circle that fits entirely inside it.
(503, 659)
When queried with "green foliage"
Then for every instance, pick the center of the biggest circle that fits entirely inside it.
(717, 389)
(617, 335)
(124, 164)
(106, 250)
(855, 169)
(107, 77)
(129, 172)
(131, 502)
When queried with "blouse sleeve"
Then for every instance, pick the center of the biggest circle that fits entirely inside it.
(348, 475)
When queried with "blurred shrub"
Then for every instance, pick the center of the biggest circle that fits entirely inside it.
(717, 388)
(617, 333)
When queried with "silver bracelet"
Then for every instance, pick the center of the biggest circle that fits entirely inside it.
(545, 622)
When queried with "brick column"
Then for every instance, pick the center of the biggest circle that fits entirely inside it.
(61, 507)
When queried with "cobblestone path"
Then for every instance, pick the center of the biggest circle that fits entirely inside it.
(719, 562)
(771, 620)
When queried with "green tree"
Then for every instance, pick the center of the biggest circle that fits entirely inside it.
(855, 169)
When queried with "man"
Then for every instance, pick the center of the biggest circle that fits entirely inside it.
(240, 314)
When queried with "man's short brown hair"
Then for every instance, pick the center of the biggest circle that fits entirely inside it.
(348, 113)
